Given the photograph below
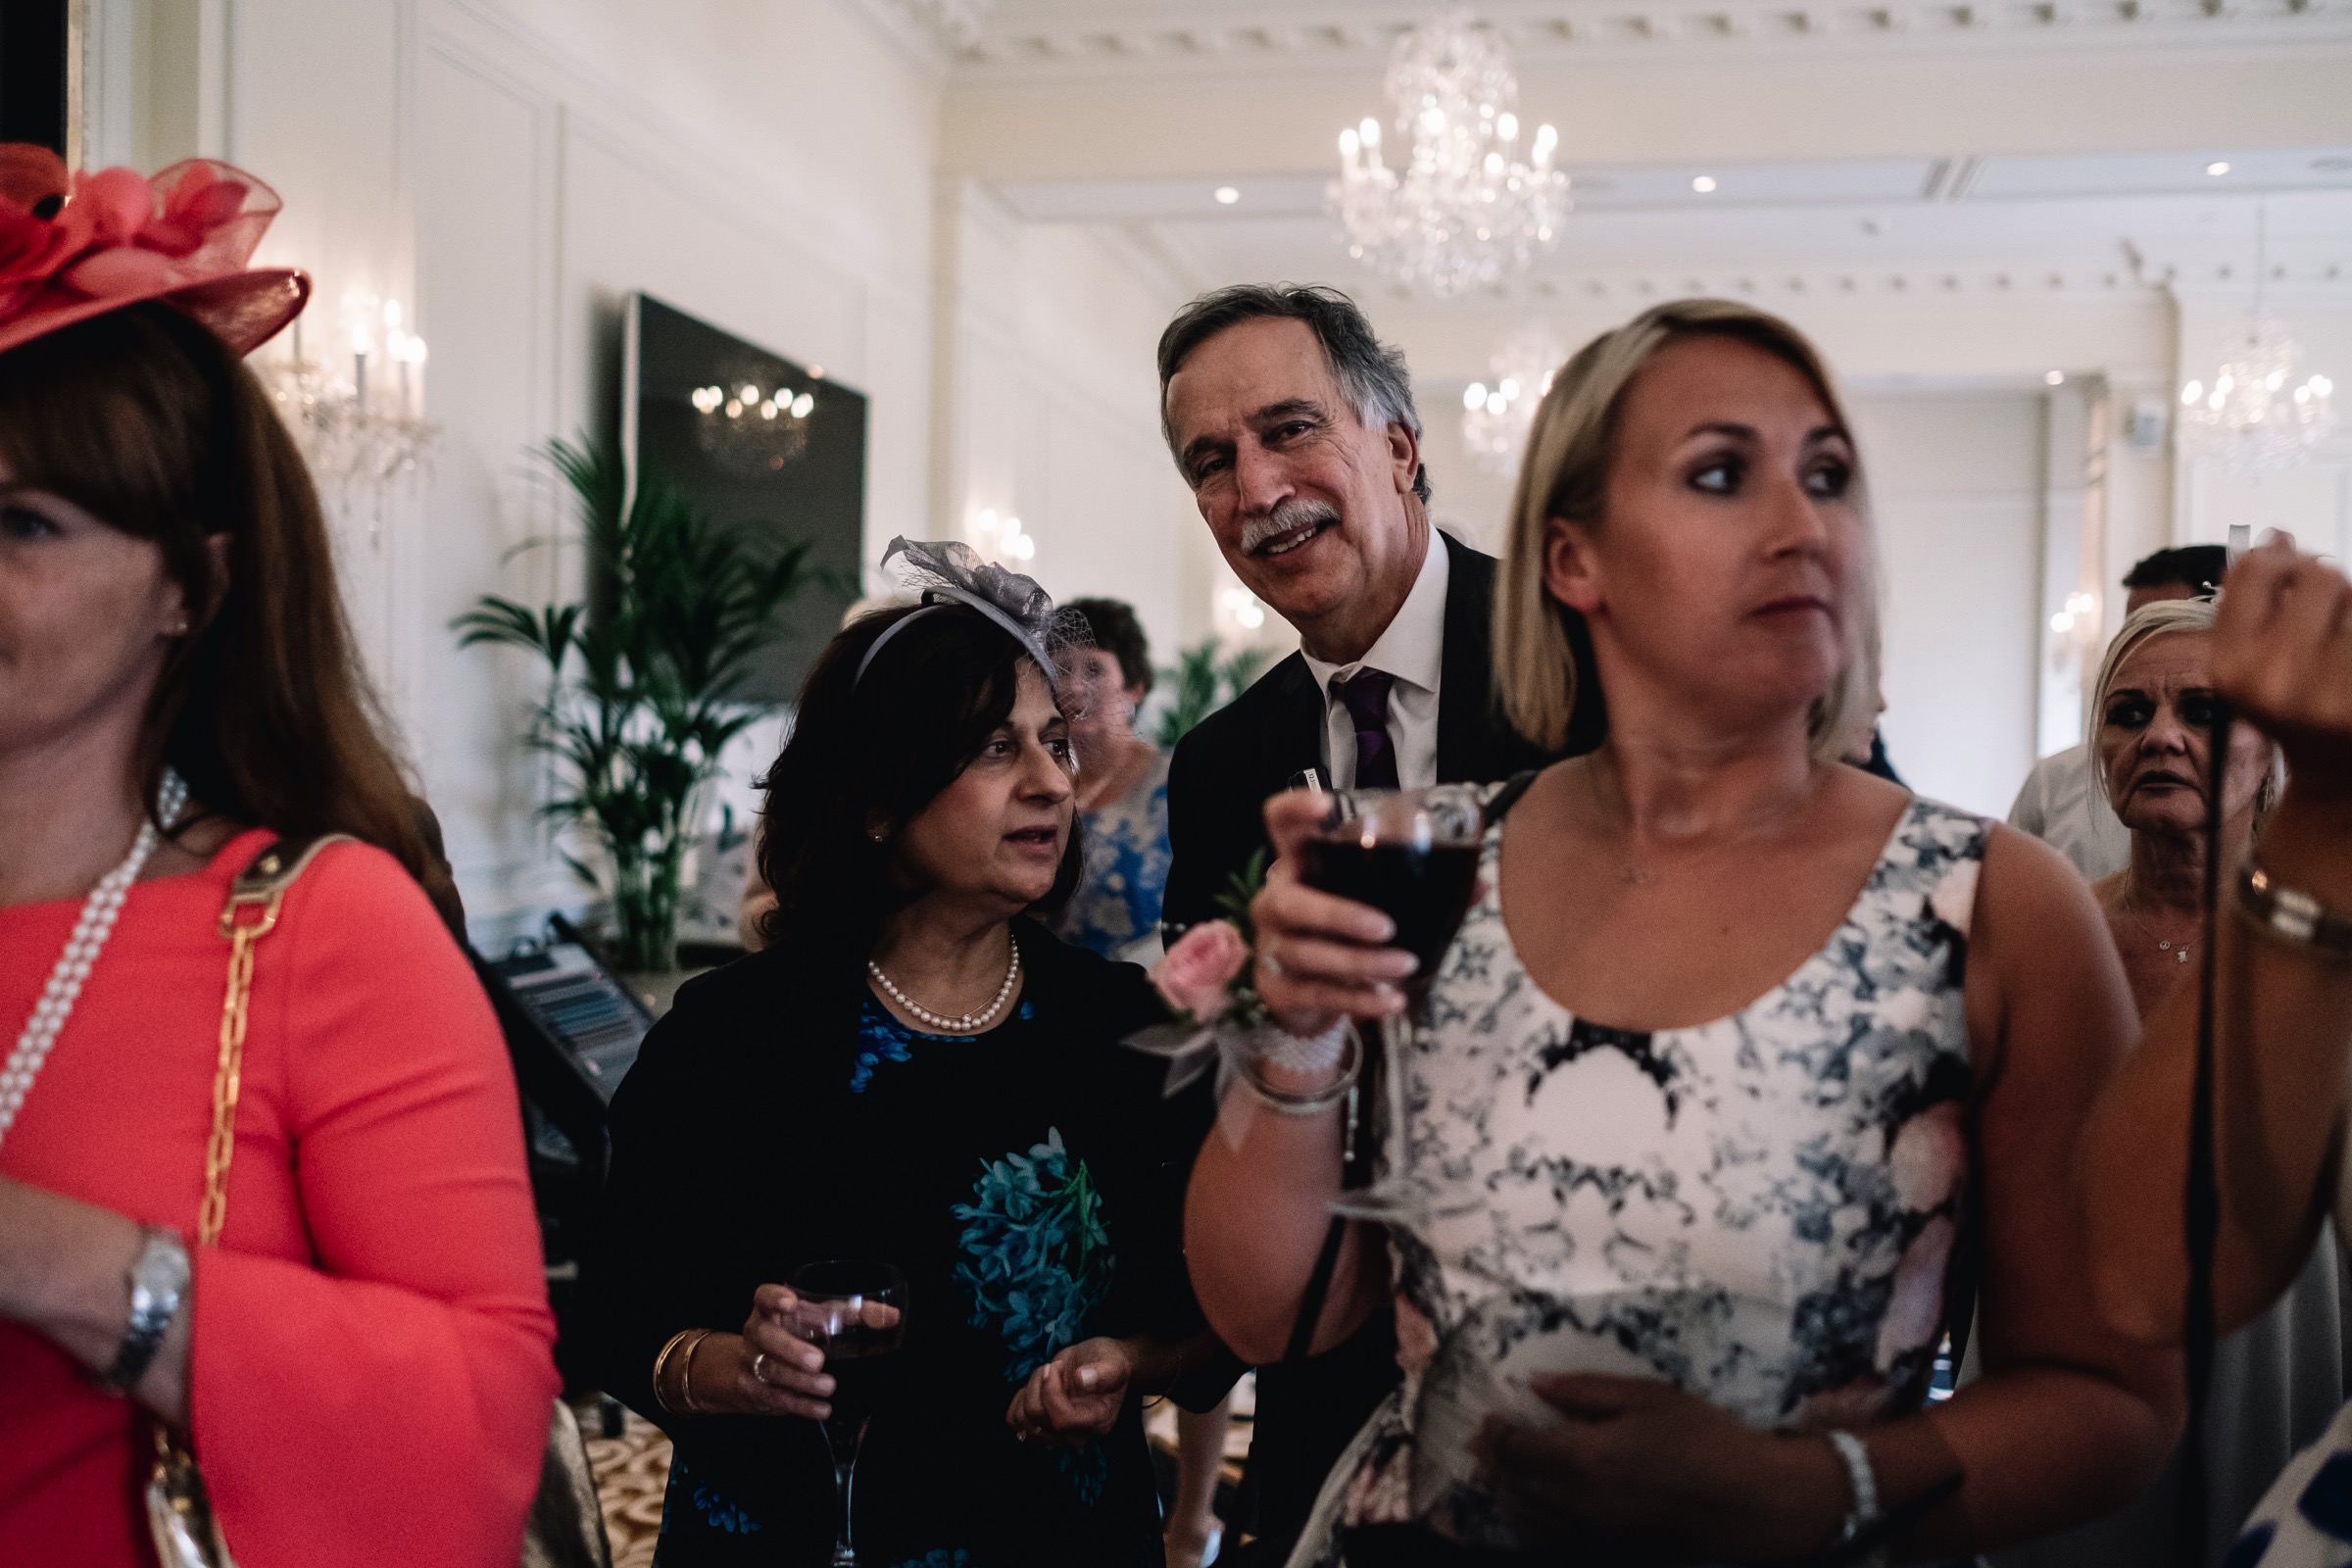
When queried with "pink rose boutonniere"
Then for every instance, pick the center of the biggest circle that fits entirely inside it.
(1194, 975)
(1204, 979)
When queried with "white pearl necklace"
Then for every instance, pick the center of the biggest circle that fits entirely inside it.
(971, 1022)
(74, 965)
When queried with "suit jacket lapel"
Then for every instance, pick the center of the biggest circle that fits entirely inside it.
(1467, 726)
(1293, 737)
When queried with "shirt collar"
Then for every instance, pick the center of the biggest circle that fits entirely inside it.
(1413, 647)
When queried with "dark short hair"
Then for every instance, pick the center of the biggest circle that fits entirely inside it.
(1113, 628)
(2197, 567)
(882, 747)
(1369, 372)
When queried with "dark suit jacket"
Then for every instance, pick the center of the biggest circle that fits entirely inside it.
(1218, 782)
(1224, 769)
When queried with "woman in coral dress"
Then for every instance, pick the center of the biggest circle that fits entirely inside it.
(361, 1365)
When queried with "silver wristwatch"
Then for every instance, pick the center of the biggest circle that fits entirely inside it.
(159, 1283)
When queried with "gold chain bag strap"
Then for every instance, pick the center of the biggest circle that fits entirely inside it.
(179, 1512)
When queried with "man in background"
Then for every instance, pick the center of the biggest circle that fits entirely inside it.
(1296, 430)
(2062, 802)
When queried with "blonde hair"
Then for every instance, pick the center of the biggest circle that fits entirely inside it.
(1566, 475)
(2143, 625)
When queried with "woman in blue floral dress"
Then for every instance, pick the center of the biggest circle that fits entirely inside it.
(913, 1070)
(1122, 791)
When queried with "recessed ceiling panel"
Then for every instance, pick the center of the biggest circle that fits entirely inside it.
(1704, 185)
(2214, 171)
(1098, 201)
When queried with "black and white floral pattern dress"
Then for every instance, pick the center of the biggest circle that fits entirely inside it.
(1763, 1210)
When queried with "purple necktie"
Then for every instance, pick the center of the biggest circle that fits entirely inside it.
(1367, 697)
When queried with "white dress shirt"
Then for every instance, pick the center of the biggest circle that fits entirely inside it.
(1412, 650)
(2062, 805)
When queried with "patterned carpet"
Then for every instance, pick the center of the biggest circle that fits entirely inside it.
(633, 1469)
(630, 1472)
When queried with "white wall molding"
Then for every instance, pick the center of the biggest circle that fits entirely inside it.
(1863, 279)
(1062, 37)
(930, 32)
(626, 123)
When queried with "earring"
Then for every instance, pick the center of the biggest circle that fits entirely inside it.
(876, 834)
(178, 628)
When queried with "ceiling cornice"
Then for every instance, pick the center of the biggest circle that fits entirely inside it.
(1055, 38)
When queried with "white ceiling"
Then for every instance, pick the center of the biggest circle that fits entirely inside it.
(2114, 221)
(1858, 145)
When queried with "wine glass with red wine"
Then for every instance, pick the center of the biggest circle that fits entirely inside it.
(1414, 856)
(854, 1310)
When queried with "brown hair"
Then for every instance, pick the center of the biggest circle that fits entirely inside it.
(1111, 626)
(1566, 475)
(148, 422)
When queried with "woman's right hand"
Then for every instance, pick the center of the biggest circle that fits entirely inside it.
(765, 1370)
(1319, 955)
(2282, 658)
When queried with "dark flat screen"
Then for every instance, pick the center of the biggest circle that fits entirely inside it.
(761, 475)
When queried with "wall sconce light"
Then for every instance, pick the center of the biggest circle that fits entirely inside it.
(356, 438)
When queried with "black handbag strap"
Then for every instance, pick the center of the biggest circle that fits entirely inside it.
(1327, 1261)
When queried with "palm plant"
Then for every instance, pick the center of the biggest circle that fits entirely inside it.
(1201, 682)
(642, 678)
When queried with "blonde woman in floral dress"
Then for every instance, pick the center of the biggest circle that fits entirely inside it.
(1744, 1065)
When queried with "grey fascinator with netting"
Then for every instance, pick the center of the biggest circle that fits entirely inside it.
(944, 572)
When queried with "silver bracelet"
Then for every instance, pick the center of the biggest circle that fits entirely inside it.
(1312, 1102)
(159, 1283)
(1863, 1481)
(2293, 916)
(1302, 1054)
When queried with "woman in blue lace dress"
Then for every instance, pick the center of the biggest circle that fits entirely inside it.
(912, 1070)
(1744, 1065)
(1122, 790)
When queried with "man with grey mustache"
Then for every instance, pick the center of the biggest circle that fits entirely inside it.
(1294, 427)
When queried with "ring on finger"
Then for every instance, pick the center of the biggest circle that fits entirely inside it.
(758, 1361)
(1268, 962)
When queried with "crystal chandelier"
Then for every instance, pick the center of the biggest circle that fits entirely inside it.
(747, 428)
(1495, 419)
(1461, 208)
(2253, 415)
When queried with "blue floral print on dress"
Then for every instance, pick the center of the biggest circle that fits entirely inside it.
(1088, 1470)
(1036, 1257)
(941, 1558)
(717, 1510)
(882, 1038)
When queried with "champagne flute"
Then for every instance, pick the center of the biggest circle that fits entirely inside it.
(1414, 856)
(854, 1310)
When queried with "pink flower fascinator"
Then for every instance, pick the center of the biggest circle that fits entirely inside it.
(77, 245)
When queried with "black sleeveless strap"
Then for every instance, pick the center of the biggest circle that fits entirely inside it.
(1508, 796)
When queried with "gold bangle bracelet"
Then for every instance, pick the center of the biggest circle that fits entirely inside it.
(662, 1363)
(686, 1372)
